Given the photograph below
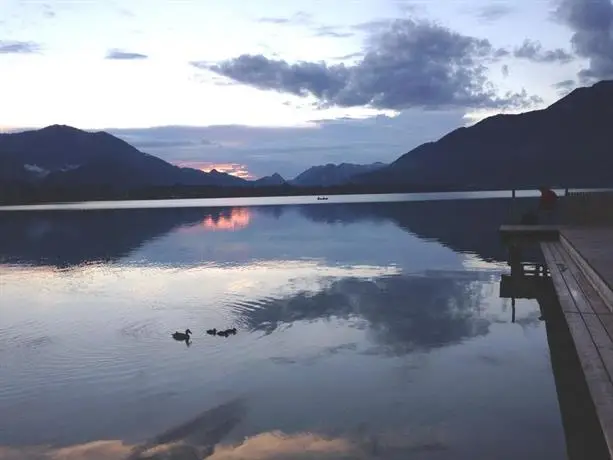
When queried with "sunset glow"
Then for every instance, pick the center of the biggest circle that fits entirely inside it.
(234, 169)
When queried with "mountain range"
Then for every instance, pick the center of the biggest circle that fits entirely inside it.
(567, 144)
(331, 174)
(60, 155)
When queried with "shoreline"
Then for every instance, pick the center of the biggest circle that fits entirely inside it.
(24, 196)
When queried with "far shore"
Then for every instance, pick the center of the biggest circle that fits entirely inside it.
(21, 196)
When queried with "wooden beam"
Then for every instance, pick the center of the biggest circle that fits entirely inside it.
(530, 232)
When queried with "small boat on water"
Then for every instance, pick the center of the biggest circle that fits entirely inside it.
(322, 198)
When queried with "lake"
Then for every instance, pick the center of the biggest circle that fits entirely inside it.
(364, 330)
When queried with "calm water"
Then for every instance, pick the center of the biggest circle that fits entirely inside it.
(370, 330)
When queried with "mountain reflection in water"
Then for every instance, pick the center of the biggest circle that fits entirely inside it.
(365, 331)
(64, 238)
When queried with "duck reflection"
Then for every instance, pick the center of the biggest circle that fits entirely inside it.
(401, 313)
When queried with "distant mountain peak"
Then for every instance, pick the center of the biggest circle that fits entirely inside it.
(61, 128)
(332, 174)
(269, 181)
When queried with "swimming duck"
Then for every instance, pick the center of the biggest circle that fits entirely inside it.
(223, 333)
(181, 335)
(211, 331)
(231, 331)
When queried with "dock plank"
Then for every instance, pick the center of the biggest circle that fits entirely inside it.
(536, 232)
(596, 246)
(591, 327)
(566, 301)
(588, 299)
(595, 373)
(592, 249)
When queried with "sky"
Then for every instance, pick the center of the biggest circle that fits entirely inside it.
(262, 86)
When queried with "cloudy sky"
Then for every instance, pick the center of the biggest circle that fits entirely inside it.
(261, 86)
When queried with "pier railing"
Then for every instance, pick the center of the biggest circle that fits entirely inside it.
(581, 208)
(587, 208)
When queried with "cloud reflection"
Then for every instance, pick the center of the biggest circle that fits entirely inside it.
(401, 313)
(272, 445)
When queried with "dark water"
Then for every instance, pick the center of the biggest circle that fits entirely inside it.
(370, 330)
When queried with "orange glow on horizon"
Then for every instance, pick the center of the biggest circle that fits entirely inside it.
(234, 169)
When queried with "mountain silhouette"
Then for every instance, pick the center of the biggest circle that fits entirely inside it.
(567, 144)
(269, 181)
(332, 174)
(61, 155)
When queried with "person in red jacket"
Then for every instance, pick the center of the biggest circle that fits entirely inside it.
(547, 205)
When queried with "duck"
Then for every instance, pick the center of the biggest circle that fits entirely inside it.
(231, 331)
(182, 336)
(211, 331)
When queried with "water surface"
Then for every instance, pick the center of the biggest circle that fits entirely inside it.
(370, 330)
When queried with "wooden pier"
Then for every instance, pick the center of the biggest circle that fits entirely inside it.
(580, 264)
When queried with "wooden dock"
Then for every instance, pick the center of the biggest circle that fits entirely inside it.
(529, 232)
(580, 264)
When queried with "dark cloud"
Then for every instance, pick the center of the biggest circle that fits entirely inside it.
(48, 11)
(331, 31)
(410, 6)
(501, 53)
(274, 20)
(305, 19)
(592, 24)
(565, 87)
(533, 51)
(18, 47)
(408, 64)
(494, 12)
(124, 55)
(302, 79)
(299, 18)
(348, 56)
(374, 26)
